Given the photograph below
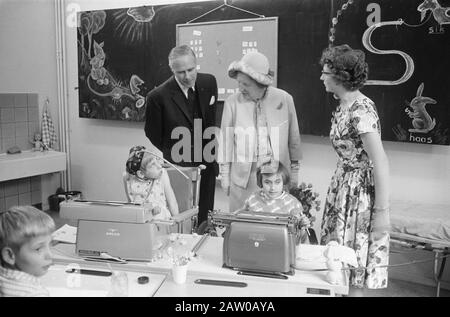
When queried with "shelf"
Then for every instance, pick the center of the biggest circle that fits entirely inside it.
(30, 163)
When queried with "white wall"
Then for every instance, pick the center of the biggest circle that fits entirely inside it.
(28, 59)
(27, 52)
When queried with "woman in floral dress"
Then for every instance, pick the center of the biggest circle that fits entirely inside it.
(356, 211)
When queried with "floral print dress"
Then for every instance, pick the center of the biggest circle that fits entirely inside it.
(349, 204)
(149, 192)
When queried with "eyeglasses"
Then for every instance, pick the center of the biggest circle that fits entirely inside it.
(327, 73)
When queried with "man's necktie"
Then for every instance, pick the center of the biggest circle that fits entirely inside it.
(192, 103)
(191, 96)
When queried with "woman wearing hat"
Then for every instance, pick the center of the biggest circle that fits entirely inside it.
(259, 124)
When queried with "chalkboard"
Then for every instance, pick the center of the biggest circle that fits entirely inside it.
(407, 46)
(217, 44)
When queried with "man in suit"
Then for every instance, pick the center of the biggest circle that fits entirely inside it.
(186, 102)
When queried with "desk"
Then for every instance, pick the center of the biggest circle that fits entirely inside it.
(256, 287)
(208, 265)
(59, 283)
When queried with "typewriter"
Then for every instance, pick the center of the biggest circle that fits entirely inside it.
(257, 243)
(112, 230)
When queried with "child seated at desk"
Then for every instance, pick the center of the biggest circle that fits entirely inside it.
(272, 197)
(25, 236)
(148, 183)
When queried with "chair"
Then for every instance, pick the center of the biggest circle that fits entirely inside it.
(186, 185)
(187, 192)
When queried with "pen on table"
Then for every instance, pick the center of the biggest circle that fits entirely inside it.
(199, 244)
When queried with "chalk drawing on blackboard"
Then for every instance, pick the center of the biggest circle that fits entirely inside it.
(90, 23)
(409, 62)
(102, 93)
(133, 25)
(402, 79)
(425, 128)
(421, 120)
(142, 14)
(366, 40)
(440, 14)
(335, 20)
(102, 77)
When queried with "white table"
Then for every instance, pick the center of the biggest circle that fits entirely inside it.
(60, 283)
(208, 265)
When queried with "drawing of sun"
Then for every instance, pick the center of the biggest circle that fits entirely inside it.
(133, 25)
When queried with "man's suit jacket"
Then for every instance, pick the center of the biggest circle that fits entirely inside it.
(167, 109)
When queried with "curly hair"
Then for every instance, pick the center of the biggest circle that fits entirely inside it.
(348, 65)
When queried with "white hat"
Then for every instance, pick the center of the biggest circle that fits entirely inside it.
(255, 65)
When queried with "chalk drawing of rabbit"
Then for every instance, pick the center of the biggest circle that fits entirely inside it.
(422, 121)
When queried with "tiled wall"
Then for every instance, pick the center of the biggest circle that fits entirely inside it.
(23, 191)
(19, 120)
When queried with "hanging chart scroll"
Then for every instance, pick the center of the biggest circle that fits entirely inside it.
(217, 44)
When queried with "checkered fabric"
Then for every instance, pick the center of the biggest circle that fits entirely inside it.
(48, 129)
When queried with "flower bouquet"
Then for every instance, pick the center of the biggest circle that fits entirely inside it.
(308, 198)
(179, 264)
(179, 259)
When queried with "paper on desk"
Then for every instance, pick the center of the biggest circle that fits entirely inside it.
(343, 254)
(315, 253)
(66, 234)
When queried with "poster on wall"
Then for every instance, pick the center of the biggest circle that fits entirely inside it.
(217, 44)
(119, 61)
(407, 45)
